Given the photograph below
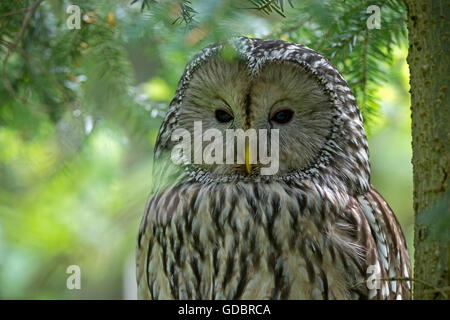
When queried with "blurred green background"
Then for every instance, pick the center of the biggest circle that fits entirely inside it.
(78, 127)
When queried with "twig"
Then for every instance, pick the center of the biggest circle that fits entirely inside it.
(292, 28)
(31, 59)
(19, 36)
(14, 12)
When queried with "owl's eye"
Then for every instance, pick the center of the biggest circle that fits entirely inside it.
(223, 116)
(282, 116)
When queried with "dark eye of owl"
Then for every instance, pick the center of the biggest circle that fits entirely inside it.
(223, 116)
(282, 116)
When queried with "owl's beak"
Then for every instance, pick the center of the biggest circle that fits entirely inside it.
(248, 165)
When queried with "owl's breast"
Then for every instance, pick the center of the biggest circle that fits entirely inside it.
(243, 241)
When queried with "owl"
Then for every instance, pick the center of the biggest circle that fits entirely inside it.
(314, 229)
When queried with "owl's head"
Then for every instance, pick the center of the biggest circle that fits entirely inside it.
(286, 91)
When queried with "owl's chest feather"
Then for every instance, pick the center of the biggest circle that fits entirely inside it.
(244, 241)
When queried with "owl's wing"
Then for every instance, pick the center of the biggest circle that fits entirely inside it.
(385, 246)
(154, 262)
(158, 212)
(144, 291)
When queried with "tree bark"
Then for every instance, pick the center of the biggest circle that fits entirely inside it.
(429, 31)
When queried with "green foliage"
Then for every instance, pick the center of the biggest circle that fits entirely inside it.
(80, 111)
(268, 6)
(339, 31)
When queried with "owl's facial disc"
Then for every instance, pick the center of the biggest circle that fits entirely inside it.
(282, 95)
(285, 96)
(216, 96)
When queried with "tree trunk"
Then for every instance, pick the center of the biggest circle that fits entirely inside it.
(429, 31)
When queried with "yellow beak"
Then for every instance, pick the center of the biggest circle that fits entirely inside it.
(248, 165)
